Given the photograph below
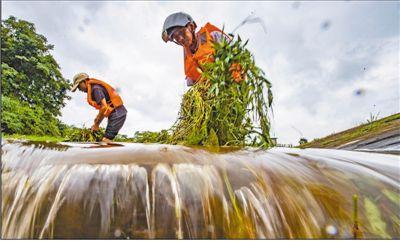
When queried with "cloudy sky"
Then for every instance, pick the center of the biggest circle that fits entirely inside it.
(331, 64)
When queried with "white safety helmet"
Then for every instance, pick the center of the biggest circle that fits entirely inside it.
(179, 19)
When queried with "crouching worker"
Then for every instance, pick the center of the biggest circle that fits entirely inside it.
(103, 97)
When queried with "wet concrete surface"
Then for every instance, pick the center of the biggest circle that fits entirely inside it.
(388, 142)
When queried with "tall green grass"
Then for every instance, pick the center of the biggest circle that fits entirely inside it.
(221, 111)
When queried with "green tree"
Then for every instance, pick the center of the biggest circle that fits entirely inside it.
(29, 71)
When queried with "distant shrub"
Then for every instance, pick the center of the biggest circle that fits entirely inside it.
(151, 137)
(19, 117)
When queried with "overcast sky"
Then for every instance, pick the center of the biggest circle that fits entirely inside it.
(331, 64)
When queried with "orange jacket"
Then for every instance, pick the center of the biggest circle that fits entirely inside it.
(115, 99)
(204, 54)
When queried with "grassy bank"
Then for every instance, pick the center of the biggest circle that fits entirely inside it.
(33, 138)
(361, 132)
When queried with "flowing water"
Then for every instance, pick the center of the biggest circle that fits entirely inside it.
(162, 191)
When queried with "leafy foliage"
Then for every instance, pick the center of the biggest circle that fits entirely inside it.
(220, 111)
(122, 138)
(29, 71)
(151, 137)
(19, 117)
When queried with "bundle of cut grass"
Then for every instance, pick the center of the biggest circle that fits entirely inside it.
(84, 135)
(221, 111)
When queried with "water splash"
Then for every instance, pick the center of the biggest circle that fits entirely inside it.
(162, 191)
(252, 18)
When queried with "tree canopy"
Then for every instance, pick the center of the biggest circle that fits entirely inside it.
(29, 71)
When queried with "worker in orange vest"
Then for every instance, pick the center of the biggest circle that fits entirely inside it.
(104, 98)
(198, 47)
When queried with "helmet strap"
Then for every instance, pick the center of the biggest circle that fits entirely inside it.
(173, 40)
(195, 41)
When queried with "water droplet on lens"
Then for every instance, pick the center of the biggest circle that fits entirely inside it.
(331, 230)
(117, 233)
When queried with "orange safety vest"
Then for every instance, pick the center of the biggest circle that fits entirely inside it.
(115, 99)
(203, 54)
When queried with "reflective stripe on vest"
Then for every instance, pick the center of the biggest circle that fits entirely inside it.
(115, 99)
(203, 54)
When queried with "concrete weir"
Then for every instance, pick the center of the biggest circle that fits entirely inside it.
(72, 190)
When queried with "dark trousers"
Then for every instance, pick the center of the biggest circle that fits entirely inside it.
(115, 123)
